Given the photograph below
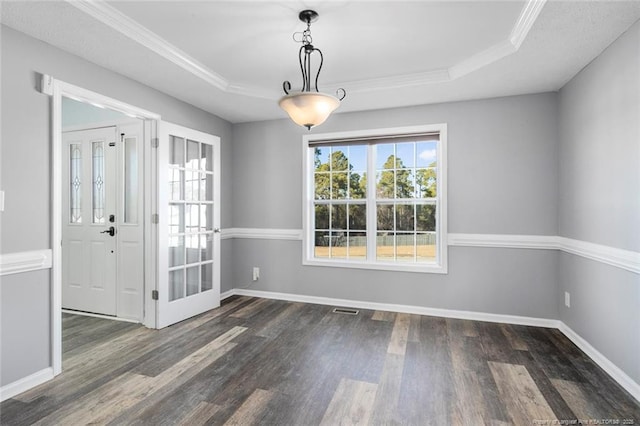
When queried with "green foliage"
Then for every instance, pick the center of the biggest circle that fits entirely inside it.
(395, 180)
(335, 180)
(426, 182)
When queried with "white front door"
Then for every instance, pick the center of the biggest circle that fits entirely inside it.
(102, 228)
(189, 223)
(89, 198)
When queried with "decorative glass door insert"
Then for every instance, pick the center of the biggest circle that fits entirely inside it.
(189, 228)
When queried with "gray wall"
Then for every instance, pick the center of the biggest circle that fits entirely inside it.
(25, 172)
(599, 186)
(502, 179)
(24, 321)
(81, 113)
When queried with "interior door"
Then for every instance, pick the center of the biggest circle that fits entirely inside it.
(88, 236)
(189, 223)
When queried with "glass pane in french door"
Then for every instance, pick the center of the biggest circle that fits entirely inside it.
(190, 218)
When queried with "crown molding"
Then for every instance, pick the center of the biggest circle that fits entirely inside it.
(527, 17)
(482, 59)
(396, 82)
(126, 26)
(110, 16)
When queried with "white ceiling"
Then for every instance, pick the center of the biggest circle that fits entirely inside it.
(231, 57)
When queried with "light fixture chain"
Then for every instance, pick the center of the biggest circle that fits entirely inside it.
(306, 36)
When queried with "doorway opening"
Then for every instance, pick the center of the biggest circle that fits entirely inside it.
(102, 206)
(90, 160)
(135, 213)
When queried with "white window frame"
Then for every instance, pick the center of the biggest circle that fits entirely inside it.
(440, 266)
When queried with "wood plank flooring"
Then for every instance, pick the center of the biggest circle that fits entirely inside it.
(258, 361)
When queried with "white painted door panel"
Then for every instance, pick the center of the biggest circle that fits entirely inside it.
(88, 253)
(189, 223)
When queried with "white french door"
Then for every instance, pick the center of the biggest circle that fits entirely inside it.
(102, 221)
(189, 223)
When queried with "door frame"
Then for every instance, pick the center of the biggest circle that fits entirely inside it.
(57, 89)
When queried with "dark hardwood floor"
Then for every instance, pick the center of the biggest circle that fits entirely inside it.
(258, 361)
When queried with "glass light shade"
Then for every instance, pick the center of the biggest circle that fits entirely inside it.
(309, 109)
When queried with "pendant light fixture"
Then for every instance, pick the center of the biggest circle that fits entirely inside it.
(306, 107)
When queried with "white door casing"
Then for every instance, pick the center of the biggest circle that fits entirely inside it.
(57, 89)
(88, 198)
(189, 223)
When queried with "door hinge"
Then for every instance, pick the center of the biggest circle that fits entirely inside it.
(155, 218)
(155, 142)
(154, 294)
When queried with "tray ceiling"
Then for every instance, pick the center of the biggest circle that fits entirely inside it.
(230, 58)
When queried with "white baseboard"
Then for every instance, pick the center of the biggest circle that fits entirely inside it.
(227, 294)
(409, 309)
(609, 367)
(26, 383)
(91, 314)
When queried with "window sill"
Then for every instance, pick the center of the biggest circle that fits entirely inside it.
(431, 268)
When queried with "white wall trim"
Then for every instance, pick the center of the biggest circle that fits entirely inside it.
(527, 17)
(107, 317)
(543, 242)
(126, 26)
(26, 261)
(482, 59)
(130, 28)
(409, 309)
(624, 259)
(262, 234)
(609, 367)
(26, 383)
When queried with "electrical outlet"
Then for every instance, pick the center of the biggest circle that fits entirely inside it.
(256, 273)
(567, 299)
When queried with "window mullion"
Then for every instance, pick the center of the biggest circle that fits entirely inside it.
(371, 203)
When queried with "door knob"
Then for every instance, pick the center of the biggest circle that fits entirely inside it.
(111, 231)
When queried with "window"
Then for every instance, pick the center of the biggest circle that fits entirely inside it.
(376, 199)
